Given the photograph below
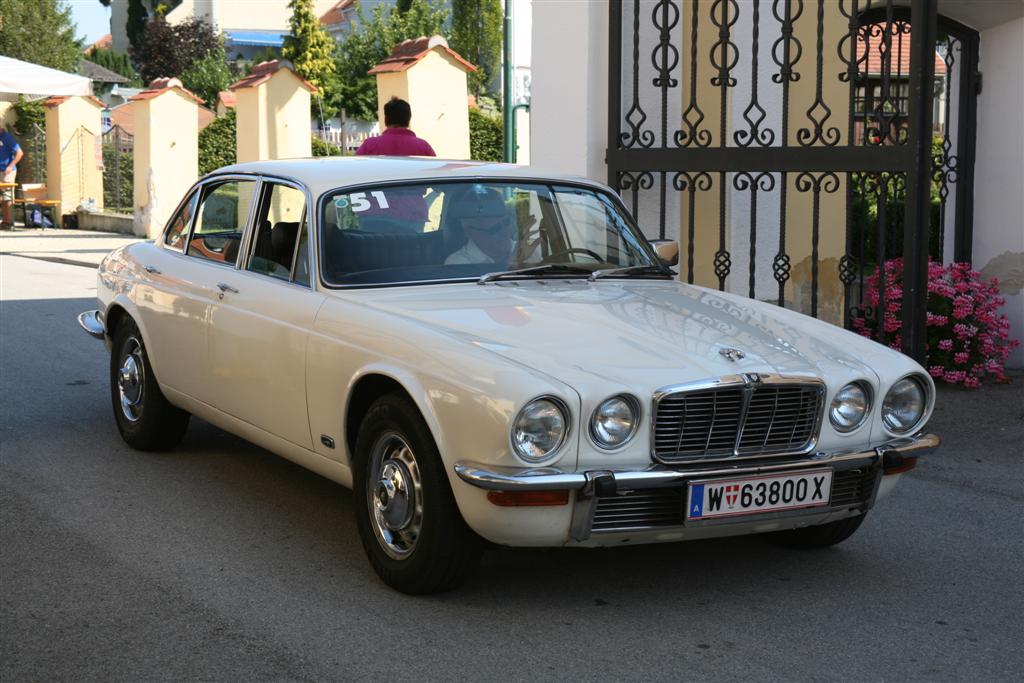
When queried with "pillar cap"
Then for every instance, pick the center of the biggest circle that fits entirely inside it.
(58, 100)
(262, 72)
(158, 86)
(409, 52)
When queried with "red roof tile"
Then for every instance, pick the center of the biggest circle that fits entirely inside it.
(61, 99)
(103, 43)
(900, 54)
(158, 86)
(262, 72)
(336, 15)
(409, 52)
(123, 116)
(227, 98)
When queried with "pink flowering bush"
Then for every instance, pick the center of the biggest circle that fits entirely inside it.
(967, 337)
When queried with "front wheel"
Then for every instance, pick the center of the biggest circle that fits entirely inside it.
(820, 536)
(409, 523)
(145, 419)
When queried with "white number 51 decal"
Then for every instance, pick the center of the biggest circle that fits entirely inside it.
(361, 203)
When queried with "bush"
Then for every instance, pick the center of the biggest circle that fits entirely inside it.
(322, 148)
(966, 337)
(217, 145)
(486, 137)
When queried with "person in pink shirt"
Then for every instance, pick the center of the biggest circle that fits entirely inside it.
(396, 140)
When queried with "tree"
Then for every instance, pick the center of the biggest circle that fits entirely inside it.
(310, 49)
(371, 41)
(477, 36)
(118, 62)
(170, 51)
(208, 76)
(135, 26)
(41, 32)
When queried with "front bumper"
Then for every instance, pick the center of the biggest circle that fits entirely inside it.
(597, 487)
(92, 323)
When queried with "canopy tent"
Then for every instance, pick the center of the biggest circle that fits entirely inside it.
(24, 78)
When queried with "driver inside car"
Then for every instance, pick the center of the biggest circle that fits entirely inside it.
(489, 228)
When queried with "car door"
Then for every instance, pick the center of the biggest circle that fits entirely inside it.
(201, 243)
(259, 329)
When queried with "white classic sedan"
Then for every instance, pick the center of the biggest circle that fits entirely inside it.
(484, 351)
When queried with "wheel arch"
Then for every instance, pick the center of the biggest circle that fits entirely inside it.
(371, 385)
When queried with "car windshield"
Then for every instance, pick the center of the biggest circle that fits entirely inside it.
(463, 230)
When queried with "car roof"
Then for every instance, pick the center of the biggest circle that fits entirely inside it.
(322, 174)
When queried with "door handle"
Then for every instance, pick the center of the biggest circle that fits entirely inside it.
(224, 287)
(151, 269)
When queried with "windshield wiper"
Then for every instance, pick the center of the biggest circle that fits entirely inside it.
(534, 270)
(646, 269)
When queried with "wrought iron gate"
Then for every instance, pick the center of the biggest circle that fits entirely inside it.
(800, 128)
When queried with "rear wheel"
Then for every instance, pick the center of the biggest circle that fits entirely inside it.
(409, 523)
(820, 536)
(144, 417)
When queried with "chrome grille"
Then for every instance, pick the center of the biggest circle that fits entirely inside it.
(737, 420)
(639, 509)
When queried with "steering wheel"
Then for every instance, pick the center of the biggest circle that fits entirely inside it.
(551, 258)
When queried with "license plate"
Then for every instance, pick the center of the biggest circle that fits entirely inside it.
(751, 495)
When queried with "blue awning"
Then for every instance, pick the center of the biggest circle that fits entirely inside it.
(256, 38)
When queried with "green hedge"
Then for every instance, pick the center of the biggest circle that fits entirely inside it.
(325, 149)
(486, 137)
(217, 145)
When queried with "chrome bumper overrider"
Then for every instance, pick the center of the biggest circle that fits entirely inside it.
(92, 323)
(607, 482)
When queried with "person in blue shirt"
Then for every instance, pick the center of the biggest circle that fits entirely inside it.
(10, 155)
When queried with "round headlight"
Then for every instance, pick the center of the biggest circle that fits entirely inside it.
(849, 407)
(539, 429)
(614, 421)
(904, 405)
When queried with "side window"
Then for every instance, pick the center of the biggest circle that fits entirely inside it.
(177, 231)
(279, 218)
(220, 221)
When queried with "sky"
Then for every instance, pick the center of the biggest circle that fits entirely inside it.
(92, 20)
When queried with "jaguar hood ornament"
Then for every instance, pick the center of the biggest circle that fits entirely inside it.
(731, 354)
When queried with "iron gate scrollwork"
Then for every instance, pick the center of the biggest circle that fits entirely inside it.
(789, 143)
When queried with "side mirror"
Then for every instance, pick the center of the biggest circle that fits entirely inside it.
(667, 251)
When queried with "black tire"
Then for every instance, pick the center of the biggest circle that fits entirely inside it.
(144, 417)
(414, 536)
(820, 536)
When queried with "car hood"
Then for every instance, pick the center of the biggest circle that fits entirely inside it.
(647, 332)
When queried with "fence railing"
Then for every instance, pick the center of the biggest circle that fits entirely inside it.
(118, 162)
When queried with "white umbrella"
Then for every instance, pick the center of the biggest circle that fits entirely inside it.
(24, 78)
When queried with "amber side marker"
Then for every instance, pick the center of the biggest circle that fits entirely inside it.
(905, 466)
(528, 498)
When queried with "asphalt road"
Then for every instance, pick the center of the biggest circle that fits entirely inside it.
(220, 561)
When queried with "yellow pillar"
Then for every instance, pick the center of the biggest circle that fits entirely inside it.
(166, 153)
(431, 77)
(273, 109)
(74, 151)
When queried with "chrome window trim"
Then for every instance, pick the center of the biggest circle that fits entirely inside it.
(556, 452)
(747, 381)
(162, 240)
(613, 197)
(266, 180)
(201, 186)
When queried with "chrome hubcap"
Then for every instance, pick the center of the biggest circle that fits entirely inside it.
(395, 496)
(130, 380)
